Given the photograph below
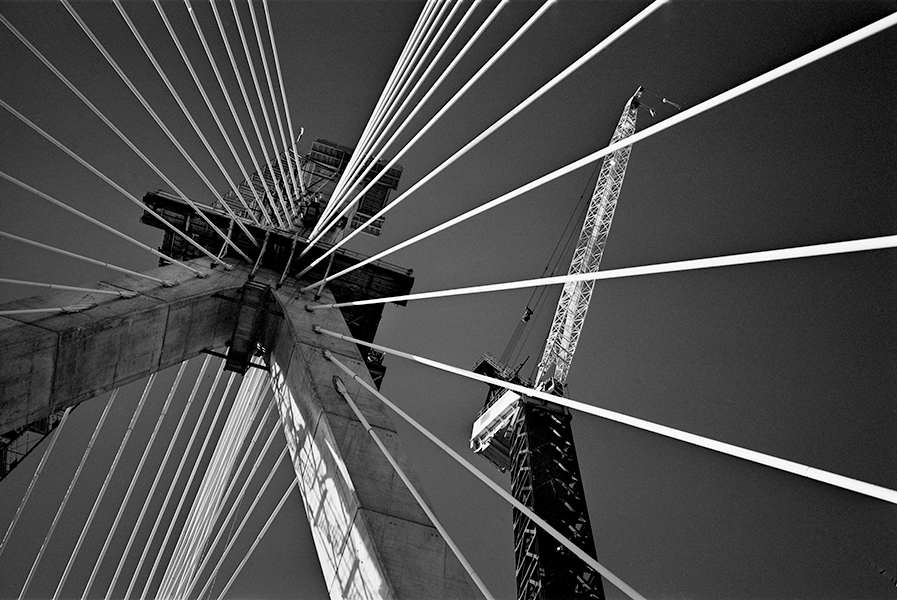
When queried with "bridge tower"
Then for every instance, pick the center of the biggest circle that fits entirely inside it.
(372, 538)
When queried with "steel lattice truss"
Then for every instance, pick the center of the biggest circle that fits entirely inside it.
(574, 301)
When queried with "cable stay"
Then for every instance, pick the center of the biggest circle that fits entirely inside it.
(743, 88)
(554, 533)
(214, 113)
(266, 193)
(862, 245)
(263, 54)
(391, 114)
(258, 91)
(108, 123)
(861, 487)
(156, 118)
(189, 117)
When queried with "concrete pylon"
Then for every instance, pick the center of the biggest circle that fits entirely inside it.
(372, 538)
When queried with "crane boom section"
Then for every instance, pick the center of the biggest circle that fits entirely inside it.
(574, 301)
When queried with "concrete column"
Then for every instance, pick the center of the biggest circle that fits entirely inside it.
(372, 538)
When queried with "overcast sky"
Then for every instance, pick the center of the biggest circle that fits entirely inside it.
(796, 359)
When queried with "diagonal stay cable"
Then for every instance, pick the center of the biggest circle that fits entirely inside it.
(84, 258)
(371, 137)
(278, 461)
(861, 245)
(385, 116)
(258, 91)
(619, 583)
(244, 488)
(86, 217)
(40, 467)
(196, 129)
(252, 118)
(237, 119)
(73, 288)
(290, 489)
(68, 492)
(362, 144)
(117, 187)
(214, 113)
(754, 83)
(184, 456)
(124, 503)
(390, 117)
(341, 388)
(861, 487)
(189, 535)
(446, 107)
(163, 127)
(420, 103)
(111, 126)
(161, 469)
(102, 493)
(283, 92)
(207, 504)
(274, 103)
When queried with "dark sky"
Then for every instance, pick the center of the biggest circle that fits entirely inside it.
(796, 359)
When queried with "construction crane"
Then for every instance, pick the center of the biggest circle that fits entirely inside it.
(533, 437)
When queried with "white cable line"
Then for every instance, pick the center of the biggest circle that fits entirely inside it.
(342, 194)
(59, 309)
(638, 136)
(236, 117)
(59, 286)
(84, 216)
(40, 466)
(511, 114)
(118, 188)
(209, 497)
(255, 124)
(186, 488)
(594, 564)
(420, 103)
(146, 503)
(258, 91)
(242, 415)
(264, 56)
(196, 129)
(245, 519)
(192, 525)
(115, 130)
(214, 113)
(341, 388)
(80, 257)
(99, 498)
(244, 488)
(383, 119)
(362, 144)
(862, 245)
(68, 492)
(457, 96)
(392, 112)
(292, 487)
(164, 128)
(121, 509)
(283, 92)
(847, 483)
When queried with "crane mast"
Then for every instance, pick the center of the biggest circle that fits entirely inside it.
(574, 301)
(533, 437)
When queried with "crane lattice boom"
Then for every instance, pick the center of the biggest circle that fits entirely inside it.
(574, 301)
